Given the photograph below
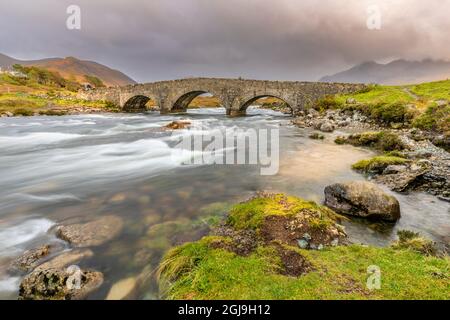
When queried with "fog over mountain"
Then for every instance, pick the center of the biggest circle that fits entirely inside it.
(270, 39)
(394, 73)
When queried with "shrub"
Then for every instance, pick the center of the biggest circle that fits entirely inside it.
(436, 118)
(23, 112)
(52, 112)
(95, 81)
(326, 103)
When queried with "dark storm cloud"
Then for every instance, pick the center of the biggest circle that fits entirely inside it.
(265, 39)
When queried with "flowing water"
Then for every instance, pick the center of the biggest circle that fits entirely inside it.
(59, 169)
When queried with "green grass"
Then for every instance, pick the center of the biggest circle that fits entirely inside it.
(378, 164)
(379, 95)
(251, 214)
(438, 90)
(413, 105)
(198, 271)
(27, 104)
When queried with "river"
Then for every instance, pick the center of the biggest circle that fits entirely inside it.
(59, 169)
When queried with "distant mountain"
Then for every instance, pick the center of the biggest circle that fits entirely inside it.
(73, 68)
(394, 73)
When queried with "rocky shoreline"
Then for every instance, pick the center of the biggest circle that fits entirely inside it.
(427, 167)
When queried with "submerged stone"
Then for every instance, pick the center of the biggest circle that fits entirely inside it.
(92, 233)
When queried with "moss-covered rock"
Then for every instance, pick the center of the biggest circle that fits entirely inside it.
(382, 140)
(287, 219)
(377, 165)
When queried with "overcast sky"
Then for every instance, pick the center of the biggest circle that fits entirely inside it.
(260, 39)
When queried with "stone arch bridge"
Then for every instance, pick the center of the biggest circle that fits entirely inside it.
(236, 95)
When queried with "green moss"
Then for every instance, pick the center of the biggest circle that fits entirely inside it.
(378, 164)
(395, 153)
(316, 136)
(383, 140)
(198, 271)
(251, 214)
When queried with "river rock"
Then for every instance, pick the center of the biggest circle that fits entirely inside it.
(66, 259)
(394, 169)
(177, 125)
(93, 233)
(30, 259)
(362, 199)
(327, 127)
(122, 289)
(55, 284)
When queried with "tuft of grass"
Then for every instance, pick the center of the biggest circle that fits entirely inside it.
(378, 164)
(415, 242)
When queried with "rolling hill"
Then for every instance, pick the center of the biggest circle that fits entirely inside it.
(398, 72)
(73, 68)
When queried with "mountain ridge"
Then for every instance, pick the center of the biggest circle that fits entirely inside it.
(71, 67)
(397, 72)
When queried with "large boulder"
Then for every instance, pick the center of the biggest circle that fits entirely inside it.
(92, 233)
(362, 199)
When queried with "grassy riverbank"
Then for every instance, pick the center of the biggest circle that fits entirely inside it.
(216, 268)
(423, 106)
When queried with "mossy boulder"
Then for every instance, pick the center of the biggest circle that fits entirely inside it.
(377, 165)
(383, 140)
(287, 219)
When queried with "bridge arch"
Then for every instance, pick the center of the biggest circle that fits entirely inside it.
(138, 103)
(250, 101)
(183, 100)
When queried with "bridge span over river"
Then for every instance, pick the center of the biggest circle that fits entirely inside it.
(235, 95)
